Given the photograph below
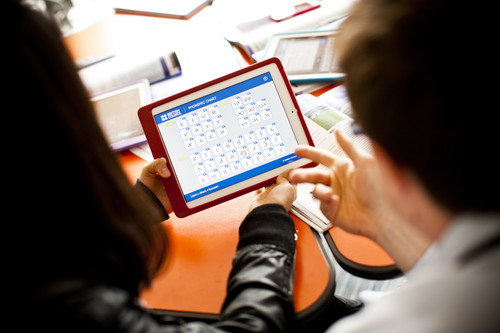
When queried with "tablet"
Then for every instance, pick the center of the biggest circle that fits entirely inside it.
(116, 113)
(307, 56)
(226, 137)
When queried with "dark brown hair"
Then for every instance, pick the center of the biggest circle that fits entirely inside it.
(78, 215)
(423, 86)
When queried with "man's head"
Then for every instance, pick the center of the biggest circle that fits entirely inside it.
(419, 74)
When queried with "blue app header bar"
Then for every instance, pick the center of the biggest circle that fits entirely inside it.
(213, 98)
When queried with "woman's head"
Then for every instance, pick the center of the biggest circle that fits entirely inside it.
(79, 215)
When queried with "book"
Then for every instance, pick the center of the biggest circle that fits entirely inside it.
(327, 110)
(123, 69)
(184, 9)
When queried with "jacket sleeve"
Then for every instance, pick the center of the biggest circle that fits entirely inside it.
(259, 290)
(140, 187)
(260, 285)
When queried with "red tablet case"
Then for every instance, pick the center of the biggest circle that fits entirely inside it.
(156, 145)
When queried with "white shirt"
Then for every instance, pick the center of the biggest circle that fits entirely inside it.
(442, 294)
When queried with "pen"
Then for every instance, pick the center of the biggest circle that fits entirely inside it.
(356, 128)
(323, 26)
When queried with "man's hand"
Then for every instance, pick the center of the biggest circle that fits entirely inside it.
(349, 189)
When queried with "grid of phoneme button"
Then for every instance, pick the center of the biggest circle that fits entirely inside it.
(214, 162)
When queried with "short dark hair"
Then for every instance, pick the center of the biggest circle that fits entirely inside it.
(420, 76)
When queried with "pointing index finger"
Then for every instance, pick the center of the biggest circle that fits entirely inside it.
(348, 147)
(317, 155)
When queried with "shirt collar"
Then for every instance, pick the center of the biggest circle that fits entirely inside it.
(466, 232)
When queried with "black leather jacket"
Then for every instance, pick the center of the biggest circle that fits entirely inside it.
(259, 290)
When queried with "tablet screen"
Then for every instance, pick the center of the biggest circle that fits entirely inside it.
(307, 56)
(227, 136)
(116, 113)
(302, 55)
